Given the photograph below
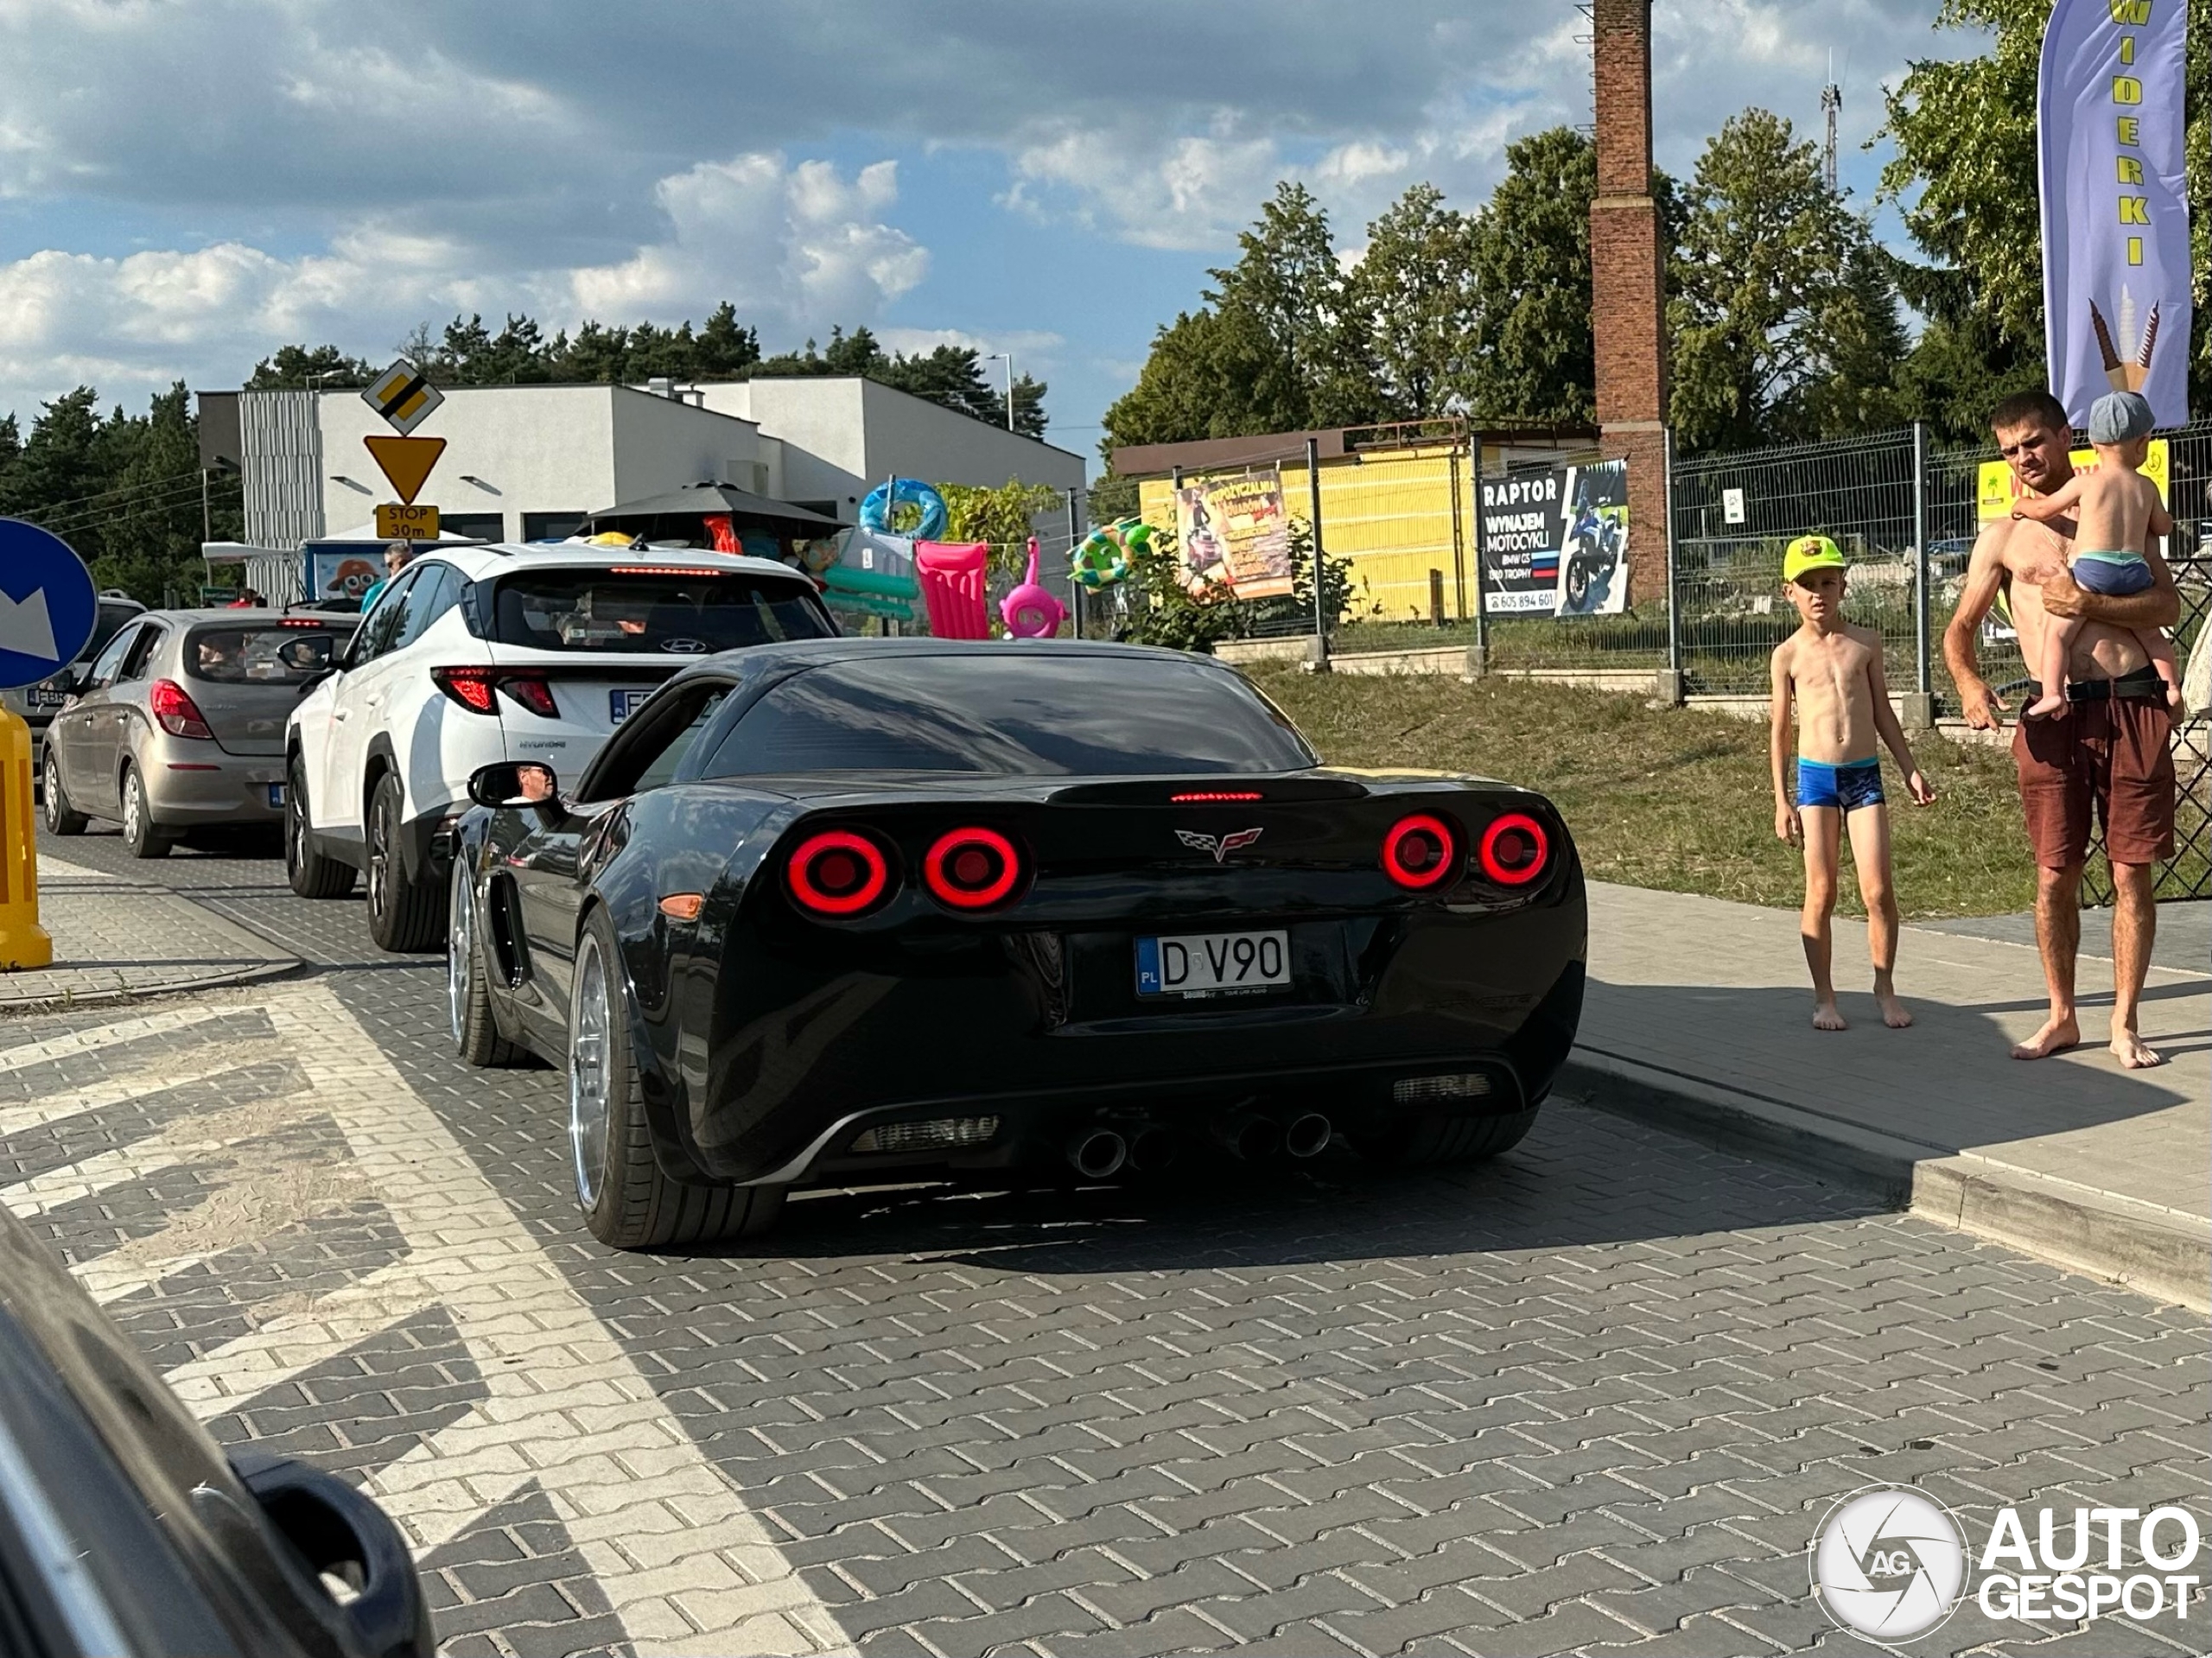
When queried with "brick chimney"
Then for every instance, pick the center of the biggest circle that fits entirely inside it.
(1627, 303)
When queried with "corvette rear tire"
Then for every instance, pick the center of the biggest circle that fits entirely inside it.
(311, 873)
(476, 1036)
(627, 1202)
(404, 915)
(1436, 1141)
(62, 818)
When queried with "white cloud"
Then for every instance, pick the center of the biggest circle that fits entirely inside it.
(795, 247)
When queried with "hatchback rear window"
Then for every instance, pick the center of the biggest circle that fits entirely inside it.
(673, 612)
(1016, 715)
(267, 655)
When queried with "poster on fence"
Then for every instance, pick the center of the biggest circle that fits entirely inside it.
(1994, 495)
(1233, 532)
(1556, 543)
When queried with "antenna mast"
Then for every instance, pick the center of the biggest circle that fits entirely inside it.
(1831, 107)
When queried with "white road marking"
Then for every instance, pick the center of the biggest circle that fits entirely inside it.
(24, 1055)
(686, 1566)
(119, 1090)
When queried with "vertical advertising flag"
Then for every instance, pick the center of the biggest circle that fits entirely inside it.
(2115, 214)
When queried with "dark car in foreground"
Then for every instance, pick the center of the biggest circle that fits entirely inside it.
(855, 910)
(125, 1532)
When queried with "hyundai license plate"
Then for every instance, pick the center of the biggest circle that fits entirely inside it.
(1212, 963)
(623, 704)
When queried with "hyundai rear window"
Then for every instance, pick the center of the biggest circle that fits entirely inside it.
(1023, 716)
(278, 655)
(673, 612)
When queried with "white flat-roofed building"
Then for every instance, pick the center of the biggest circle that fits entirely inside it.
(528, 462)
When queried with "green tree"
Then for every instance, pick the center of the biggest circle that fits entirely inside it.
(298, 367)
(1410, 308)
(1531, 356)
(1002, 516)
(1964, 175)
(1785, 319)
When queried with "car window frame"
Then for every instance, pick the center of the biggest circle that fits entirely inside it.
(101, 674)
(138, 660)
(644, 726)
(442, 597)
(364, 650)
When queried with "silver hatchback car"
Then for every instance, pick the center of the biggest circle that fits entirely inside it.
(179, 723)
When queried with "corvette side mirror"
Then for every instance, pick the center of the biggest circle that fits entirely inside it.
(514, 783)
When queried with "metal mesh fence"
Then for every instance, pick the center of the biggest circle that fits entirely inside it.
(1734, 515)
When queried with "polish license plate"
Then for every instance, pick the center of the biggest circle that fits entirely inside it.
(623, 704)
(275, 796)
(1212, 963)
(48, 696)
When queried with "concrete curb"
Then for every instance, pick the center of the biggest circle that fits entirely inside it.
(2155, 1252)
(117, 939)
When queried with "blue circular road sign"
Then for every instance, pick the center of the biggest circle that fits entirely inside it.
(48, 607)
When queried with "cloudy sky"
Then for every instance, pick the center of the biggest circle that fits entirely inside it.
(186, 184)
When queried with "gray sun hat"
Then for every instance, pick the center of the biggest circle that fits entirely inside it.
(2119, 416)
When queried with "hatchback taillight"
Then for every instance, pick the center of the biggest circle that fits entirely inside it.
(972, 869)
(838, 872)
(1514, 849)
(1421, 853)
(176, 713)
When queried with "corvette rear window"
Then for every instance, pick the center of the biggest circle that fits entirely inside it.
(679, 615)
(1024, 716)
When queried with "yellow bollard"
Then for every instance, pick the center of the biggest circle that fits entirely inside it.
(23, 942)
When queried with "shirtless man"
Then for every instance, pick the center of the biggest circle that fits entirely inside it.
(2112, 756)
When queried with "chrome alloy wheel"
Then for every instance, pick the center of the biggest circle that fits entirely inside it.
(134, 807)
(589, 1083)
(380, 855)
(461, 954)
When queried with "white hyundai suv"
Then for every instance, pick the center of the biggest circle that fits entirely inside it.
(479, 654)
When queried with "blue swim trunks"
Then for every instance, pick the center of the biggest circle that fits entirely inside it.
(2115, 575)
(1849, 786)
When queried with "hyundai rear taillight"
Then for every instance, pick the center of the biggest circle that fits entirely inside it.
(470, 687)
(972, 868)
(532, 692)
(1421, 853)
(1514, 849)
(176, 713)
(838, 872)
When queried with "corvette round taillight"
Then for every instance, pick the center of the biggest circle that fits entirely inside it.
(972, 868)
(1514, 849)
(1420, 852)
(838, 872)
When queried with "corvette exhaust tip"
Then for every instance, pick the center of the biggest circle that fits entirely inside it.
(1097, 1153)
(1249, 1135)
(1153, 1150)
(1307, 1135)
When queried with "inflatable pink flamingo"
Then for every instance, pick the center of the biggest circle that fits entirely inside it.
(1031, 612)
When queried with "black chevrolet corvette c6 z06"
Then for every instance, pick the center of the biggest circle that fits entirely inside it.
(846, 909)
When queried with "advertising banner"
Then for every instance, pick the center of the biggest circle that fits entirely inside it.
(2115, 214)
(1234, 531)
(1995, 496)
(1556, 543)
(342, 570)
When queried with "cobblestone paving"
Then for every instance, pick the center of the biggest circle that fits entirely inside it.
(1592, 1398)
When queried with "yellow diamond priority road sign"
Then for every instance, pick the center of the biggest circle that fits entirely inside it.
(402, 397)
(402, 523)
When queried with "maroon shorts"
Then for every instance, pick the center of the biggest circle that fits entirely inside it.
(2109, 757)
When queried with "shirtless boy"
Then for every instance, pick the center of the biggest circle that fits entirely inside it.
(1832, 672)
(2110, 757)
(2120, 511)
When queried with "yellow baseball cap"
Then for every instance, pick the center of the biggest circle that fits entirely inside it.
(1810, 553)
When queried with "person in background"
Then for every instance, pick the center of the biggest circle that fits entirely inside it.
(248, 600)
(396, 558)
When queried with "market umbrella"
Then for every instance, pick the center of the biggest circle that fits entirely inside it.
(678, 514)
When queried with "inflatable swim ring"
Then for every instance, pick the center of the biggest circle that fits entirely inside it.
(876, 509)
(1101, 558)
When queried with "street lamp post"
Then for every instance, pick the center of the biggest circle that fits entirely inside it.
(1006, 357)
